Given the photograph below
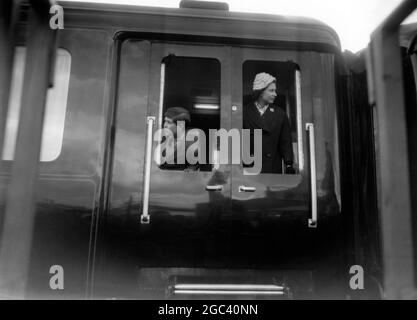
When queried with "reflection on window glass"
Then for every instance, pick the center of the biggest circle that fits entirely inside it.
(191, 94)
(269, 103)
(56, 105)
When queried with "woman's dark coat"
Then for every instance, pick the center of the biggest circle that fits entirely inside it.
(276, 136)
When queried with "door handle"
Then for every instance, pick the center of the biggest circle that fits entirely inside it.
(312, 222)
(214, 188)
(246, 189)
(144, 218)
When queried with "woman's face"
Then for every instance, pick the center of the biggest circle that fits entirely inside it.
(269, 95)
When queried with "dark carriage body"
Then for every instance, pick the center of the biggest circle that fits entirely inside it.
(90, 197)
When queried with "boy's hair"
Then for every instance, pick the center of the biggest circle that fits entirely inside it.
(178, 114)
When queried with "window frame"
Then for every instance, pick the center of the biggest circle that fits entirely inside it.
(10, 136)
(298, 110)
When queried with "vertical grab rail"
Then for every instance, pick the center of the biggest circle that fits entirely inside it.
(144, 218)
(312, 222)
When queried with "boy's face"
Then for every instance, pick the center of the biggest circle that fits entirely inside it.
(171, 125)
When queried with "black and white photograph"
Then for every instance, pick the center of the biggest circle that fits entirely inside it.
(209, 156)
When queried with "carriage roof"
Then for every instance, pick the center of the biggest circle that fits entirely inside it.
(223, 25)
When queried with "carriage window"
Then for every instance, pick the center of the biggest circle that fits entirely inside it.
(56, 104)
(276, 109)
(190, 93)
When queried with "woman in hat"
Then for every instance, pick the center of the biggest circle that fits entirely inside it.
(276, 132)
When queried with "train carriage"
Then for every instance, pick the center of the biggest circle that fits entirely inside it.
(121, 226)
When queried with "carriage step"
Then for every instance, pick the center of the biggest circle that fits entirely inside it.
(229, 289)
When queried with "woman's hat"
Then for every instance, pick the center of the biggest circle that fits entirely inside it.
(262, 80)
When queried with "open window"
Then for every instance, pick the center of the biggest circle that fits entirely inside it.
(288, 100)
(194, 84)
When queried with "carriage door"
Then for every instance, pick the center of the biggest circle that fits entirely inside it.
(283, 217)
(159, 215)
(185, 200)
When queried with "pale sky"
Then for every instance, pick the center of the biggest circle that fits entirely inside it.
(353, 20)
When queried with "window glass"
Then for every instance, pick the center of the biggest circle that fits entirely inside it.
(55, 110)
(270, 91)
(190, 88)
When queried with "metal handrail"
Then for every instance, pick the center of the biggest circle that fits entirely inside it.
(312, 222)
(144, 218)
